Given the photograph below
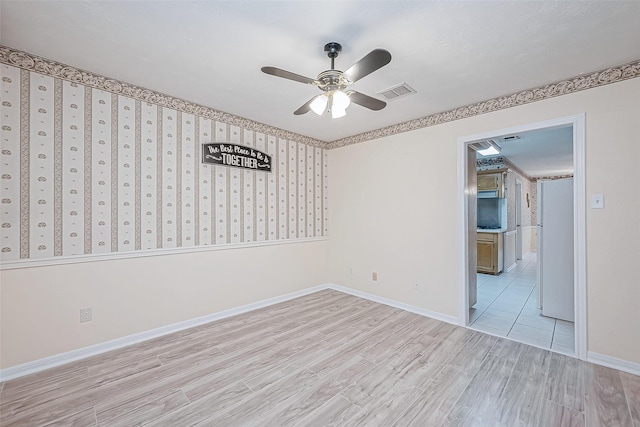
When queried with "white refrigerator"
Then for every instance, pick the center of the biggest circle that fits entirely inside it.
(555, 248)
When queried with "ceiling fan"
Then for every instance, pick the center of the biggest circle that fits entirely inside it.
(333, 83)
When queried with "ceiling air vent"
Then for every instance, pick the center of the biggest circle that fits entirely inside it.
(481, 145)
(511, 138)
(396, 92)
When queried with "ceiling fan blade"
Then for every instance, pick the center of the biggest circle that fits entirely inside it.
(287, 75)
(374, 60)
(306, 107)
(366, 101)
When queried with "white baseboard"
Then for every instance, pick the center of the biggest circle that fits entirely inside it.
(81, 353)
(393, 303)
(511, 267)
(613, 362)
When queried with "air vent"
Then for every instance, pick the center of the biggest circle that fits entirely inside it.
(396, 92)
(481, 145)
(511, 138)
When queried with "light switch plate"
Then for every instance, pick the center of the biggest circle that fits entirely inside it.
(597, 201)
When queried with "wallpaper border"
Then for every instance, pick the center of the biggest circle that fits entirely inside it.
(564, 87)
(110, 256)
(55, 69)
(27, 61)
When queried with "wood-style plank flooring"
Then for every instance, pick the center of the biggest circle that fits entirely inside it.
(327, 358)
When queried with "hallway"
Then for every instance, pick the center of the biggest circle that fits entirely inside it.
(506, 307)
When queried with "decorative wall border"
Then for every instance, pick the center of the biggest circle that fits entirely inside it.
(55, 69)
(95, 257)
(491, 163)
(563, 87)
(551, 178)
(51, 68)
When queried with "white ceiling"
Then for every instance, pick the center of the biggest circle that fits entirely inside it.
(453, 53)
(541, 152)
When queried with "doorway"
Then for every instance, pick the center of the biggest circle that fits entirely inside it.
(467, 199)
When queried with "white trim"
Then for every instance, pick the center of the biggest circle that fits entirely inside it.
(580, 233)
(463, 227)
(74, 355)
(613, 362)
(511, 267)
(397, 304)
(73, 259)
(81, 353)
(580, 299)
(518, 214)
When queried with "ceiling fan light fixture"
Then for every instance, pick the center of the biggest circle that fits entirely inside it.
(333, 82)
(319, 104)
(336, 113)
(340, 100)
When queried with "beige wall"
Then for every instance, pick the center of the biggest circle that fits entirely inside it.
(40, 306)
(394, 210)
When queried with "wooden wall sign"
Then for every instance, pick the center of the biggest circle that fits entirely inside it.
(234, 155)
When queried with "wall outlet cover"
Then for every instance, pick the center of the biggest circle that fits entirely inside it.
(86, 314)
(597, 201)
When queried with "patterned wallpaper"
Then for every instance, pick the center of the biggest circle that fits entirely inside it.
(89, 171)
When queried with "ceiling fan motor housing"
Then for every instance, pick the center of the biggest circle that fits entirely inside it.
(332, 80)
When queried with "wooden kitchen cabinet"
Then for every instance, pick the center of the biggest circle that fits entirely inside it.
(490, 253)
(491, 181)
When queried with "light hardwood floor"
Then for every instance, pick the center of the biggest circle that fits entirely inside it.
(325, 359)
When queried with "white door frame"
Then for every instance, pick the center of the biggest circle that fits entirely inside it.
(579, 262)
(518, 219)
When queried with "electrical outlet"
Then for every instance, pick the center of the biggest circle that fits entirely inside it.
(86, 315)
(374, 276)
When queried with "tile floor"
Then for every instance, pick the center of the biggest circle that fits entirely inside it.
(507, 307)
